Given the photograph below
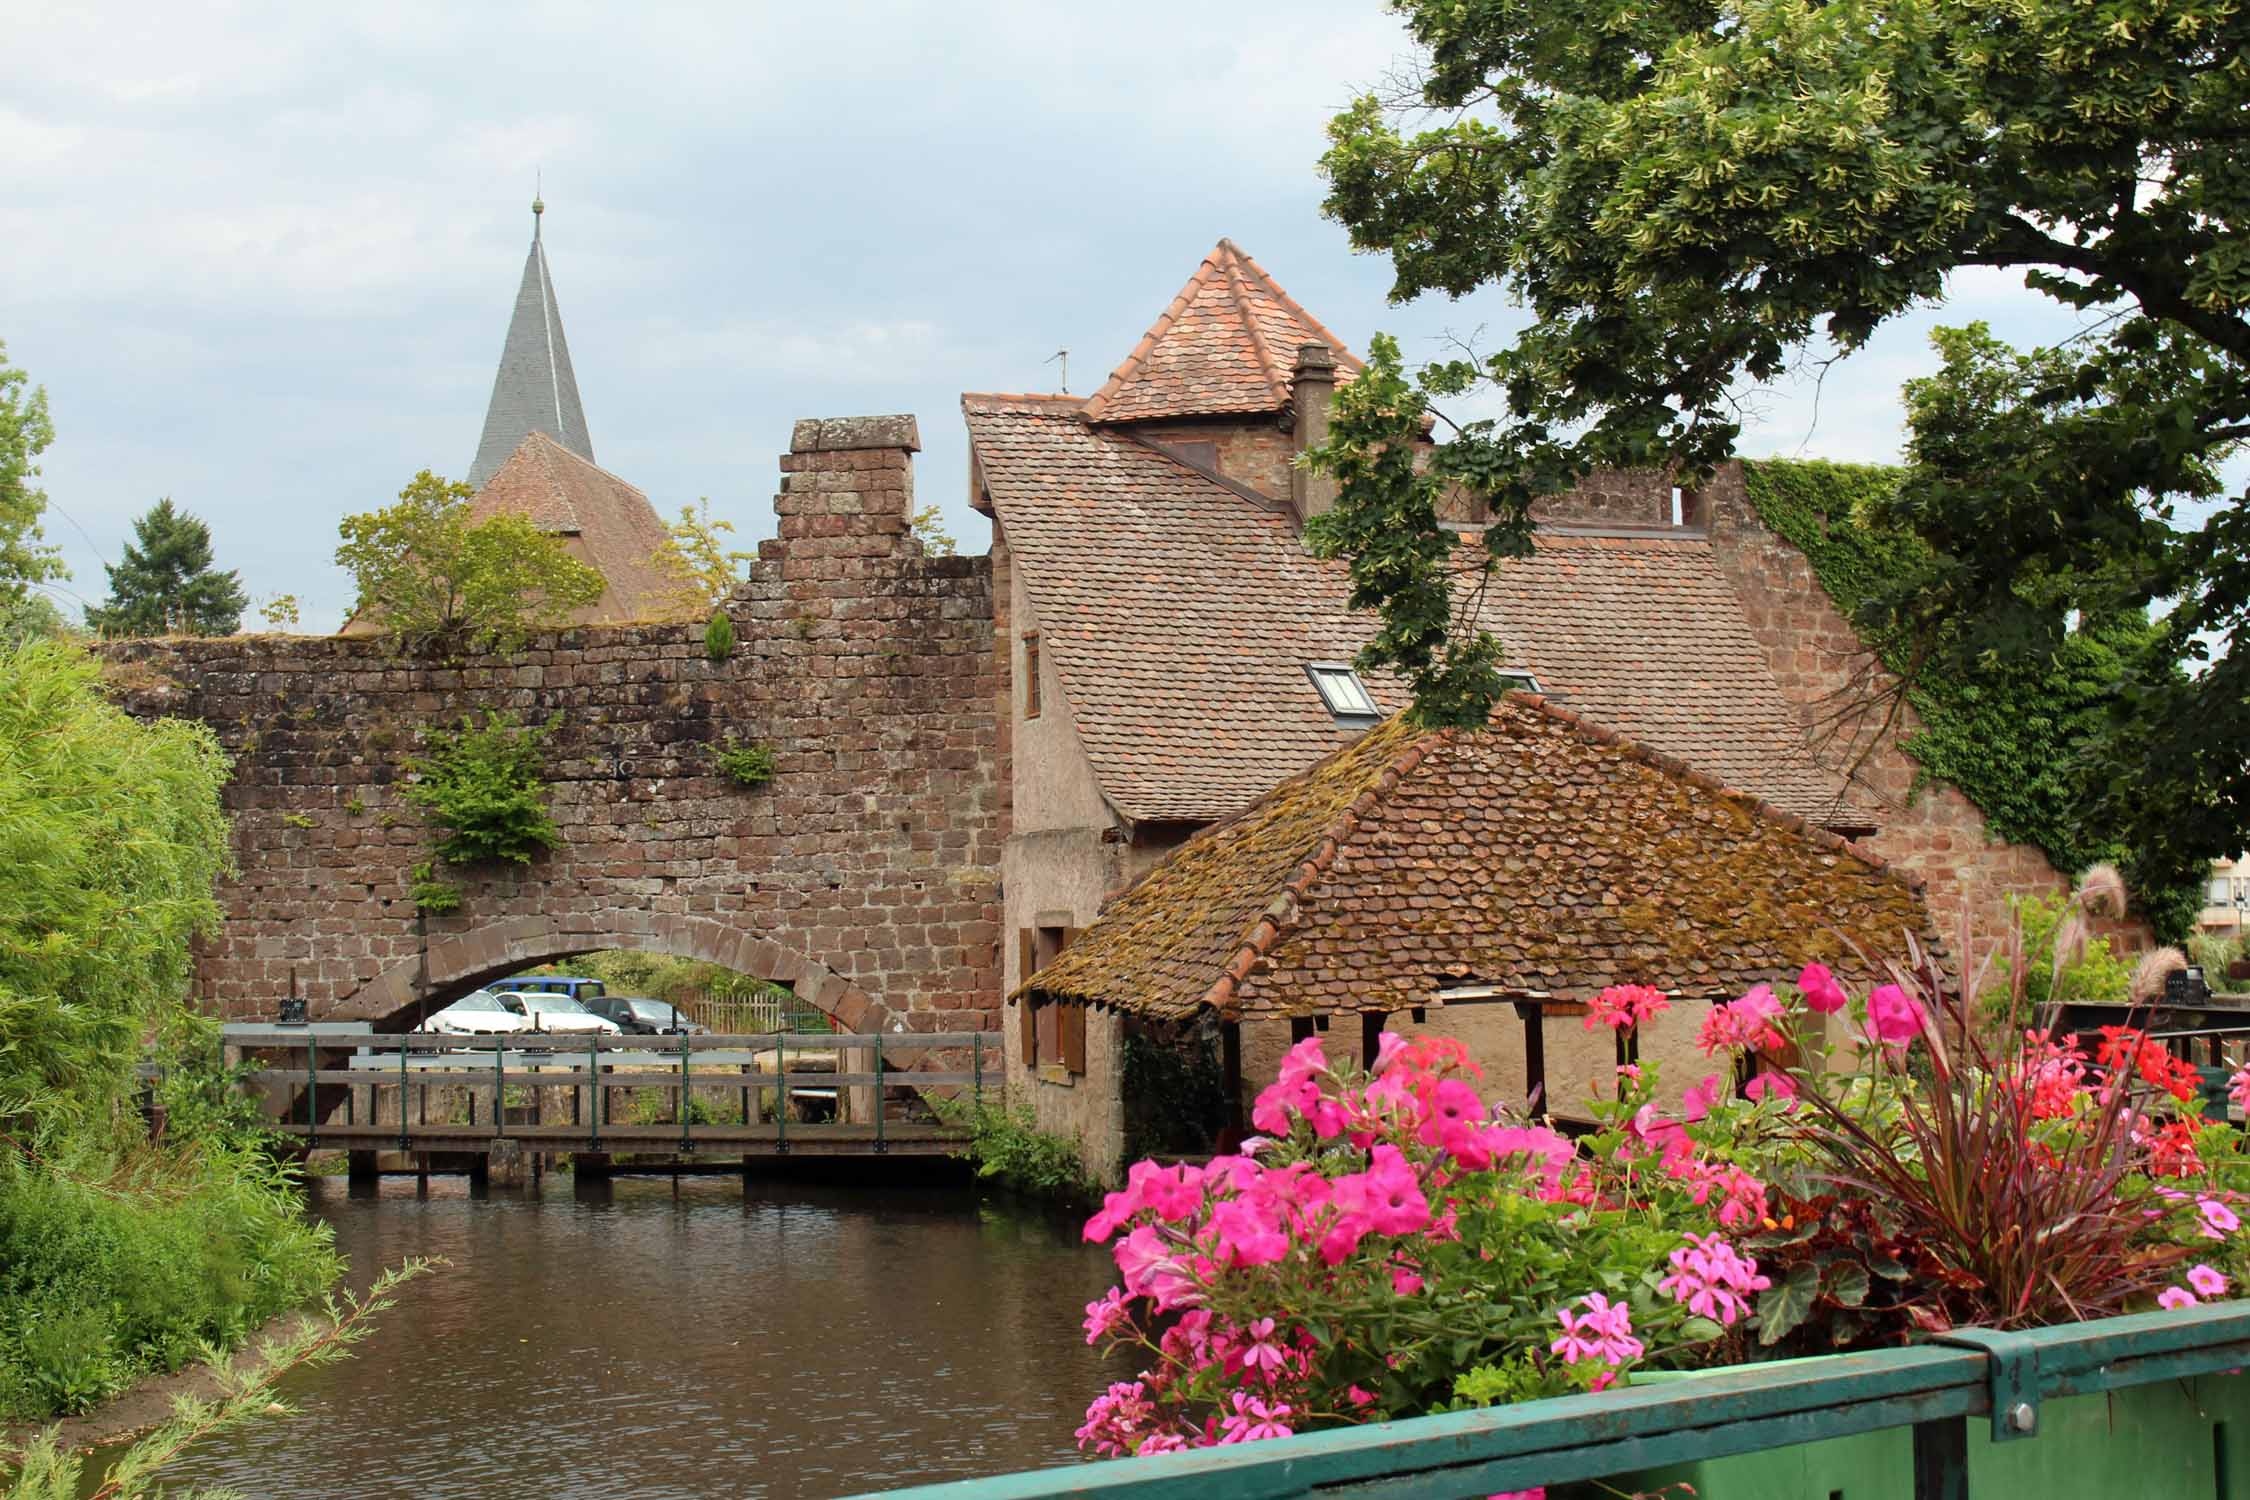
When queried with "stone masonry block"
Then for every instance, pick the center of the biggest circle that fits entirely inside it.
(850, 434)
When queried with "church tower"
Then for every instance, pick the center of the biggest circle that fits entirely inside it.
(534, 390)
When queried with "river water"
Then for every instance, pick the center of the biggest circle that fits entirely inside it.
(686, 1340)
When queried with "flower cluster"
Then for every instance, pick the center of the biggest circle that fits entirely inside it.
(1622, 1007)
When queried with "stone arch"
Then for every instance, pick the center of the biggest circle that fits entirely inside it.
(452, 964)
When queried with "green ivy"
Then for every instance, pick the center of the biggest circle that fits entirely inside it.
(485, 786)
(2010, 735)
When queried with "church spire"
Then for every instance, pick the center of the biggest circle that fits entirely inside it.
(534, 390)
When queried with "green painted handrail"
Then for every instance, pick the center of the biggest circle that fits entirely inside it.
(1933, 1389)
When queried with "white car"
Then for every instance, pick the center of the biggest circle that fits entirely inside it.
(478, 1013)
(554, 1013)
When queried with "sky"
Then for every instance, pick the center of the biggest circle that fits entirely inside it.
(262, 256)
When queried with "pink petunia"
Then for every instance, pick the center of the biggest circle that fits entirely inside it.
(2175, 1297)
(2207, 1282)
(2219, 1221)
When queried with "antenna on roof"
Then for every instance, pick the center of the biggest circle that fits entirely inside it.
(1063, 357)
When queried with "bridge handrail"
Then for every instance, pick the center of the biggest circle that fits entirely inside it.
(238, 1035)
(1931, 1388)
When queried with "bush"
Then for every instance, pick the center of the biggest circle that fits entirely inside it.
(1008, 1147)
(746, 765)
(718, 636)
(485, 785)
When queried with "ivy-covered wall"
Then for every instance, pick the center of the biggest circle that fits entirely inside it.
(2009, 738)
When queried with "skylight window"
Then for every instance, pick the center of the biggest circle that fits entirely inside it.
(1340, 688)
(1522, 682)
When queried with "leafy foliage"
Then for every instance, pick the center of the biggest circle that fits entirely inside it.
(117, 1256)
(280, 612)
(746, 765)
(32, 617)
(928, 526)
(47, 1471)
(718, 636)
(2017, 736)
(1688, 198)
(1008, 1147)
(485, 785)
(427, 575)
(165, 583)
(703, 568)
(25, 432)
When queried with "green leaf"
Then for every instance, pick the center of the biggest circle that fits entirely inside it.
(1787, 1303)
(1845, 1281)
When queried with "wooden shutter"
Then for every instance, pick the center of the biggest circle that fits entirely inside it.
(1072, 1025)
(1027, 964)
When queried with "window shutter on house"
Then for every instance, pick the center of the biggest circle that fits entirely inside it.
(1073, 1038)
(1027, 964)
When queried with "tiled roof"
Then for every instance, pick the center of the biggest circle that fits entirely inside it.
(1543, 856)
(1180, 614)
(534, 389)
(603, 521)
(1227, 344)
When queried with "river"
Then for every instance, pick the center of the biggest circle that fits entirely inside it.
(685, 1341)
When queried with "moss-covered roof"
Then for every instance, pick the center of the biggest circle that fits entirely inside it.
(1541, 856)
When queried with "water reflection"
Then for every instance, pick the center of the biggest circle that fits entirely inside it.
(691, 1341)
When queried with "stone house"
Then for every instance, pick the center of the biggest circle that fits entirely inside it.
(1172, 652)
(1477, 885)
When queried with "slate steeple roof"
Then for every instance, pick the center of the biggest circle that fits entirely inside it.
(534, 390)
(1226, 345)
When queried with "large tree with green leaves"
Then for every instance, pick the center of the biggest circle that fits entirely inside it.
(25, 433)
(428, 574)
(166, 584)
(1693, 197)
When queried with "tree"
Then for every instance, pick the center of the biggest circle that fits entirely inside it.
(31, 618)
(703, 568)
(166, 585)
(928, 526)
(428, 575)
(25, 433)
(1691, 196)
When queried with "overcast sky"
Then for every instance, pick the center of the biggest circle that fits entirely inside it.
(262, 256)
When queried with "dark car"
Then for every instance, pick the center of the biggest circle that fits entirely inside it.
(643, 1017)
(584, 991)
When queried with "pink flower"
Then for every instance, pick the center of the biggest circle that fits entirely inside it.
(2219, 1221)
(1603, 1331)
(1106, 1314)
(2174, 1297)
(1387, 1049)
(1821, 991)
(1254, 1419)
(1404, 1283)
(1780, 1085)
(1742, 1025)
(1893, 1016)
(1115, 1419)
(1537, 1493)
(1698, 1100)
(1160, 1442)
(1171, 1193)
(1302, 1062)
(2238, 1090)
(1713, 1279)
(1387, 1193)
(1247, 1234)
(1452, 1103)
(2207, 1282)
(1263, 1353)
(1622, 1007)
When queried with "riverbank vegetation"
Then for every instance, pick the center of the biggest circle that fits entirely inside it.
(1008, 1149)
(119, 1255)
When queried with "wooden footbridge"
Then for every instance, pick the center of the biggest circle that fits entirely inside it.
(341, 1086)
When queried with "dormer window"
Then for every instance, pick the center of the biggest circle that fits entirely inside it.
(1342, 691)
(1521, 682)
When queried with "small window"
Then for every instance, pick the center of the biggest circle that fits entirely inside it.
(1340, 688)
(2221, 891)
(1031, 675)
(1521, 682)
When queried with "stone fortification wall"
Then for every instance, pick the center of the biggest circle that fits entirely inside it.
(865, 874)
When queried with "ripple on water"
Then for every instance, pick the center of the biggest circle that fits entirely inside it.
(797, 1341)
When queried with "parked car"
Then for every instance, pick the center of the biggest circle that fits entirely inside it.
(555, 1013)
(645, 1017)
(478, 1013)
(584, 991)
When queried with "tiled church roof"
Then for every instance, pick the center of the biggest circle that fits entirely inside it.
(1544, 856)
(604, 522)
(1227, 344)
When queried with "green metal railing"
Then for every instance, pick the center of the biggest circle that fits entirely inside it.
(1936, 1389)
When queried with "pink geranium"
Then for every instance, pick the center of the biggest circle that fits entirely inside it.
(1254, 1419)
(1602, 1331)
(1742, 1025)
(1894, 1017)
(1713, 1279)
(1821, 991)
(1622, 1007)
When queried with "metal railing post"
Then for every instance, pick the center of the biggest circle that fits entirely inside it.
(781, 1093)
(594, 1091)
(499, 1091)
(976, 1069)
(878, 1091)
(687, 1091)
(312, 1087)
(402, 1049)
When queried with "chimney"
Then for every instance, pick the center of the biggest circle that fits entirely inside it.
(1312, 387)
